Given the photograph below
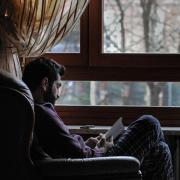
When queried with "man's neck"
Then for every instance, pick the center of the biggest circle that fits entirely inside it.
(38, 97)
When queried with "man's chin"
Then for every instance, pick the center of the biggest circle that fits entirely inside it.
(52, 102)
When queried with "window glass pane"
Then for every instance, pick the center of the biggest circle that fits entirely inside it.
(141, 26)
(71, 43)
(120, 93)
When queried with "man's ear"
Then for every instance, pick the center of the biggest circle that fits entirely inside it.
(45, 84)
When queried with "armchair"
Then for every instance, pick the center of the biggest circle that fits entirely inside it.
(17, 120)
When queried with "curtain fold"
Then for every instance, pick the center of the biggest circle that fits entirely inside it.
(30, 27)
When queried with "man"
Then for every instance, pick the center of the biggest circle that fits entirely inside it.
(143, 138)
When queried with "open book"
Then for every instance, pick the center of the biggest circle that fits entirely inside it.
(116, 129)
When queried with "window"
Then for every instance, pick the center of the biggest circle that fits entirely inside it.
(70, 44)
(118, 93)
(130, 43)
(141, 26)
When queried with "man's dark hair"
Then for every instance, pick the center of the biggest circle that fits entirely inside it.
(40, 68)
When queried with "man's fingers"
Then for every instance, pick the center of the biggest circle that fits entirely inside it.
(98, 137)
(111, 139)
(101, 143)
(101, 136)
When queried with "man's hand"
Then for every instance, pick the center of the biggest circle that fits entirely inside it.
(104, 143)
(92, 142)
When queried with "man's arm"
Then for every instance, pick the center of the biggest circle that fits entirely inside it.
(55, 138)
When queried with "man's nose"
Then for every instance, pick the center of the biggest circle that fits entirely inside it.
(59, 93)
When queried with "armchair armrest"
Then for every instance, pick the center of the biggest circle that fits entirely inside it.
(119, 166)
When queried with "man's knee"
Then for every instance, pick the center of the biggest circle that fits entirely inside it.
(165, 155)
(151, 120)
(164, 148)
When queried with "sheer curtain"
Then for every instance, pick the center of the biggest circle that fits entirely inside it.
(31, 27)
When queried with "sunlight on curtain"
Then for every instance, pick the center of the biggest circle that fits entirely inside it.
(31, 27)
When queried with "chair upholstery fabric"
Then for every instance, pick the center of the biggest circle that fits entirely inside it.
(17, 121)
(121, 167)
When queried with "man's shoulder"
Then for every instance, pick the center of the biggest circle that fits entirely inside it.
(46, 113)
(39, 107)
(42, 108)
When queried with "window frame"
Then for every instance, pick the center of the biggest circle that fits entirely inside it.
(92, 64)
(107, 115)
(75, 59)
(137, 61)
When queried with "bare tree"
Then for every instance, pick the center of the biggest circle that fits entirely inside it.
(146, 7)
(155, 89)
(121, 22)
(119, 12)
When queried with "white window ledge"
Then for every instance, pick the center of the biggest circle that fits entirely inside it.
(172, 131)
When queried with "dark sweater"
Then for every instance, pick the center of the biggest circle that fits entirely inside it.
(55, 138)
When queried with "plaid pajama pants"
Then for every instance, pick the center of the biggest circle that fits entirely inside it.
(144, 140)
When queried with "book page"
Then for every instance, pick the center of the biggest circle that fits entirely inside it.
(116, 129)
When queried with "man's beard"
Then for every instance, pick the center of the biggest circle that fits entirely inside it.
(49, 97)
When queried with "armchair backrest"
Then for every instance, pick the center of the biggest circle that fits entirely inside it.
(17, 121)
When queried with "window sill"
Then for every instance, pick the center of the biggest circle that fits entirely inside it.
(170, 131)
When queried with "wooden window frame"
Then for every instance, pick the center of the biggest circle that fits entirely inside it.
(92, 64)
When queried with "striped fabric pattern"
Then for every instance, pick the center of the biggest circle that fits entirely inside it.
(144, 139)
